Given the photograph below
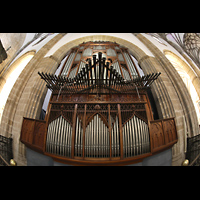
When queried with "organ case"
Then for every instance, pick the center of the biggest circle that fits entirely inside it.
(100, 114)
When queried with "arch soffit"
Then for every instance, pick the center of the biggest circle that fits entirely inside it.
(16, 63)
(135, 50)
(185, 68)
(184, 65)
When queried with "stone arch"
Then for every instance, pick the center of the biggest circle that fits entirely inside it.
(13, 42)
(180, 102)
(15, 106)
(138, 53)
(9, 77)
(13, 66)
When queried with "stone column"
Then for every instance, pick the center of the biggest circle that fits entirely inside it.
(172, 96)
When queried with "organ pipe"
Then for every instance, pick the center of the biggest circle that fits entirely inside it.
(135, 138)
(59, 137)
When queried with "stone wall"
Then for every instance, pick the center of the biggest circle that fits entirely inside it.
(13, 40)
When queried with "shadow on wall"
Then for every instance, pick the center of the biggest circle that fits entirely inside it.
(36, 159)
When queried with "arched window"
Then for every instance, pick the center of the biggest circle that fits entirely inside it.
(175, 60)
(87, 52)
(15, 70)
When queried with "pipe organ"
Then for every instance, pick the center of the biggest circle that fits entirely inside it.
(99, 112)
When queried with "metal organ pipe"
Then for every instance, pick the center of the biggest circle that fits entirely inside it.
(89, 136)
(96, 135)
(124, 140)
(116, 66)
(93, 139)
(82, 65)
(131, 139)
(69, 139)
(118, 142)
(59, 137)
(130, 64)
(86, 143)
(128, 134)
(135, 137)
(55, 135)
(78, 138)
(97, 138)
(106, 136)
(115, 140)
(104, 141)
(126, 74)
(68, 64)
(64, 139)
(73, 72)
(100, 141)
(140, 135)
(51, 135)
(112, 140)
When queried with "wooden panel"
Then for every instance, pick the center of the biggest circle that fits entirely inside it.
(163, 134)
(32, 133)
(169, 129)
(27, 131)
(39, 130)
(157, 136)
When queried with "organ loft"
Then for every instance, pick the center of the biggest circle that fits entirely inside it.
(99, 112)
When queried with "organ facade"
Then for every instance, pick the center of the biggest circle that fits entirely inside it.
(99, 112)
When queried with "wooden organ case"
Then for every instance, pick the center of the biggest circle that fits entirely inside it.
(99, 112)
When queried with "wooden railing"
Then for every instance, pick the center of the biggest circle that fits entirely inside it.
(163, 135)
(33, 134)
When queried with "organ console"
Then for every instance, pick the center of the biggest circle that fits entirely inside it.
(97, 117)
